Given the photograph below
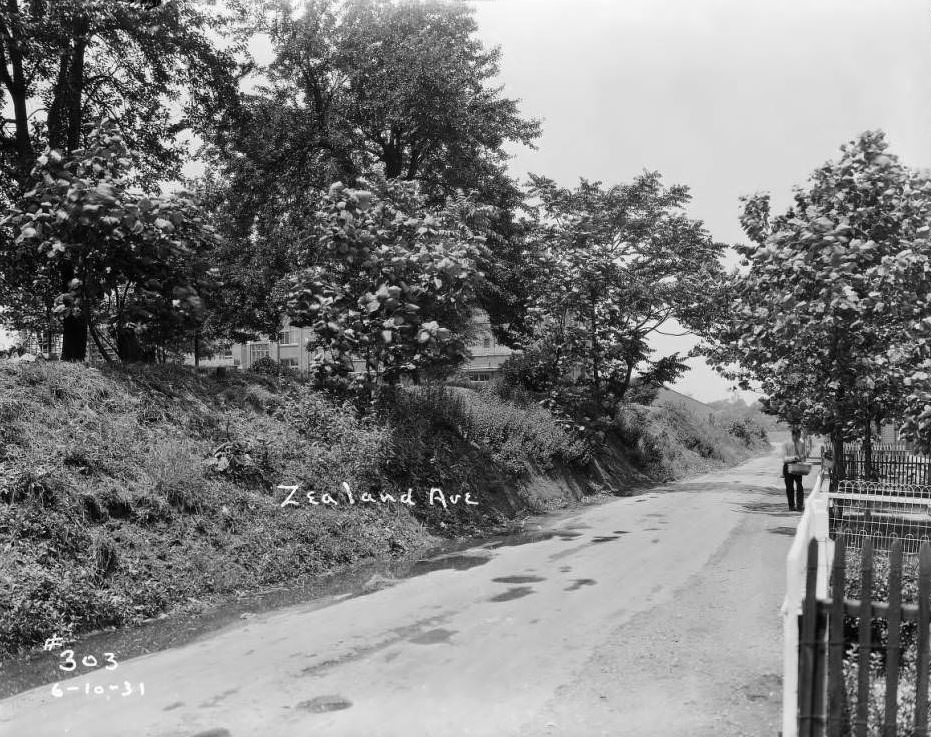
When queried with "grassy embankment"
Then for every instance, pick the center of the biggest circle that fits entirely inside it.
(129, 492)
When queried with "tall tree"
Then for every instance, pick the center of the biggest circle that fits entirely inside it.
(397, 89)
(819, 313)
(66, 64)
(403, 85)
(137, 262)
(608, 268)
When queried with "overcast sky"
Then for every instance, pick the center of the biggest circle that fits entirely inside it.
(726, 96)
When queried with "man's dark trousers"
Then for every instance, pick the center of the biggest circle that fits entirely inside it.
(793, 479)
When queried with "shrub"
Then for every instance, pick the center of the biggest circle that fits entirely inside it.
(513, 435)
(744, 428)
(531, 369)
(344, 444)
(266, 365)
(175, 472)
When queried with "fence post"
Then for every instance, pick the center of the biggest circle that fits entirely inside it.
(820, 526)
(790, 659)
(808, 685)
(863, 650)
(924, 618)
(892, 657)
(837, 696)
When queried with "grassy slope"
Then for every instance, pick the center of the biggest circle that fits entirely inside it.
(115, 504)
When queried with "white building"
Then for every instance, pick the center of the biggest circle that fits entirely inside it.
(290, 349)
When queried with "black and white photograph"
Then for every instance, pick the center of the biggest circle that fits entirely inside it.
(465, 368)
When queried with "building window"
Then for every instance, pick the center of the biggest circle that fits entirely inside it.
(288, 362)
(287, 337)
(257, 351)
(481, 376)
(486, 342)
(227, 351)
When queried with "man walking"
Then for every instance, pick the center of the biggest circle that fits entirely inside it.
(794, 451)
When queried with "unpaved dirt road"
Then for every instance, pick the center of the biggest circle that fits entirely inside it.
(650, 615)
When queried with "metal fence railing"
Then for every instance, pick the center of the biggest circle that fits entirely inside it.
(882, 511)
(892, 464)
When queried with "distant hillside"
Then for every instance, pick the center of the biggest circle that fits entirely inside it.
(671, 396)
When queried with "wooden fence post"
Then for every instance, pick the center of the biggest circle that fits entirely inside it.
(924, 618)
(863, 654)
(837, 696)
(811, 671)
(894, 648)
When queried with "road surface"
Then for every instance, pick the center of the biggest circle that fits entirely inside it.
(649, 615)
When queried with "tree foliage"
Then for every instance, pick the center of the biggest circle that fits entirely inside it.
(66, 64)
(135, 263)
(360, 89)
(609, 267)
(154, 69)
(387, 282)
(820, 313)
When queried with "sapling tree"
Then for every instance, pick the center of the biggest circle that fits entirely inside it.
(609, 267)
(818, 317)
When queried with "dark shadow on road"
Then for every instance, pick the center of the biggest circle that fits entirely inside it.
(774, 509)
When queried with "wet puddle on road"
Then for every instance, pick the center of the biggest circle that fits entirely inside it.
(216, 732)
(432, 637)
(323, 704)
(518, 579)
(531, 537)
(447, 563)
(513, 593)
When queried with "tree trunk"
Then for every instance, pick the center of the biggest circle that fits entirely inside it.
(14, 79)
(73, 327)
(73, 338)
(628, 376)
(394, 164)
(56, 122)
(76, 89)
(24, 151)
(64, 127)
(837, 450)
(196, 348)
(868, 451)
(66, 112)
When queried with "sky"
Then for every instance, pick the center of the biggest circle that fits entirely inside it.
(728, 97)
